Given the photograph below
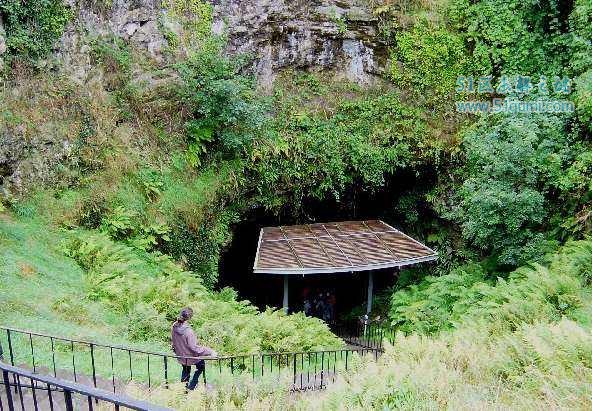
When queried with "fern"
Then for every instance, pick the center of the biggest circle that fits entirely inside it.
(150, 289)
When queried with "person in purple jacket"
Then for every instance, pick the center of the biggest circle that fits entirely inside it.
(186, 347)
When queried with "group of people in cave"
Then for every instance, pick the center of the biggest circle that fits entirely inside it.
(319, 304)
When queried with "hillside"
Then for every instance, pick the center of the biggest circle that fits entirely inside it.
(144, 144)
(84, 286)
(519, 344)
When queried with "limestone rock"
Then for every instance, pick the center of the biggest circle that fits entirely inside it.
(338, 35)
(304, 34)
(2, 43)
(334, 35)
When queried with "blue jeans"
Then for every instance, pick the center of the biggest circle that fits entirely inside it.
(199, 369)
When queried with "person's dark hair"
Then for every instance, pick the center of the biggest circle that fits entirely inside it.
(185, 314)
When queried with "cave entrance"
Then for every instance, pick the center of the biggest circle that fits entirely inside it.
(350, 289)
(324, 249)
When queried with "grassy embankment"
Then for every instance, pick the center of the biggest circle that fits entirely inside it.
(82, 285)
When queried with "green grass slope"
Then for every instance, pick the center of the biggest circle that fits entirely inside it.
(522, 343)
(43, 290)
(83, 284)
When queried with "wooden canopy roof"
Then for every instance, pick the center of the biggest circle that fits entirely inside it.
(336, 247)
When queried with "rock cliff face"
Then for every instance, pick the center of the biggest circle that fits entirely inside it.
(318, 34)
(339, 35)
(335, 35)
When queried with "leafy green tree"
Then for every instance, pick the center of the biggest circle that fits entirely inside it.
(513, 164)
(513, 36)
(319, 156)
(222, 104)
(580, 22)
(427, 60)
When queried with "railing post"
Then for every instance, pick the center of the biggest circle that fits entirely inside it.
(346, 355)
(166, 372)
(112, 369)
(53, 361)
(294, 369)
(322, 367)
(68, 400)
(32, 351)
(8, 390)
(129, 354)
(148, 363)
(205, 376)
(73, 360)
(34, 392)
(10, 351)
(92, 359)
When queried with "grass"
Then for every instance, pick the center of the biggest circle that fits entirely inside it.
(521, 346)
(45, 291)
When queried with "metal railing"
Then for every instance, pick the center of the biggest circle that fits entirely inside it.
(111, 367)
(23, 390)
(364, 333)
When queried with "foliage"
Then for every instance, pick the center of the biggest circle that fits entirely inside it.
(32, 27)
(514, 163)
(580, 21)
(115, 56)
(465, 296)
(223, 105)
(512, 36)
(339, 20)
(195, 14)
(43, 290)
(323, 155)
(123, 224)
(583, 98)
(427, 60)
(152, 183)
(428, 306)
(542, 365)
(150, 289)
(113, 53)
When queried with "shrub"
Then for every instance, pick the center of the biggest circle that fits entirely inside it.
(429, 306)
(583, 99)
(529, 294)
(323, 155)
(427, 60)
(222, 103)
(32, 27)
(512, 36)
(513, 165)
(542, 365)
(150, 289)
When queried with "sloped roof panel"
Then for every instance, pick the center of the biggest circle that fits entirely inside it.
(336, 247)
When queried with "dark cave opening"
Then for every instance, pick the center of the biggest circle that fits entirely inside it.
(350, 289)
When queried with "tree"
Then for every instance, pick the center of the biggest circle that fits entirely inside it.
(513, 165)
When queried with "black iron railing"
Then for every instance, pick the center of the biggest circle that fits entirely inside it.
(365, 333)
(111, 367)
(23, 390)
